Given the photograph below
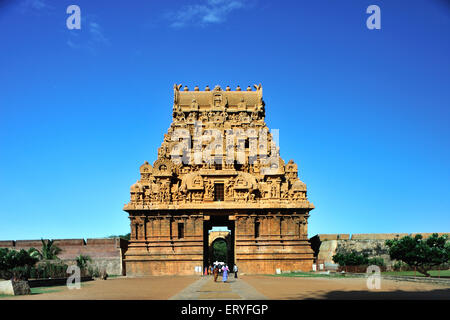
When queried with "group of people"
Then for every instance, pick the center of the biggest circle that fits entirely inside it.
(216, 269)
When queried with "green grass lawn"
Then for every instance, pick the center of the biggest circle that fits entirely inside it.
(40, 290)
(312, 275)
(434, 273)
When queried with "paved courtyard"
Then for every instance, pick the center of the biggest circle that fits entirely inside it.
(247, 287)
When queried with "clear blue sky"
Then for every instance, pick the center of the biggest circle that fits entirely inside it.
(364, 113)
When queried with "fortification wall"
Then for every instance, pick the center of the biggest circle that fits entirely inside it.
(105, 253)
(372, 244)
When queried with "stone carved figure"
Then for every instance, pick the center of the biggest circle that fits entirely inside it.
(209, 189)
(242, 106)
(194, 105)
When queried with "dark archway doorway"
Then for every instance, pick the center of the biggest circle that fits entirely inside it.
(218, 241)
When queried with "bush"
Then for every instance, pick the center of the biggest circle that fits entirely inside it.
(376, 261)
(400, 266)
(22, 273)
(351, 259)
(49, 269)
(124, 236)
(93, 271)
(17, 264)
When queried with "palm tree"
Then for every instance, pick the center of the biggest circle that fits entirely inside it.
(49, 251)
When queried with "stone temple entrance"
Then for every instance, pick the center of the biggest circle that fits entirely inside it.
(218, 165)
(211, 237)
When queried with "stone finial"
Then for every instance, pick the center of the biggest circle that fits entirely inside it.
(207, 88)
(249, 88)
(228, 88)
(217, 88)
(196, 88)
(238, 88)
(186, 88)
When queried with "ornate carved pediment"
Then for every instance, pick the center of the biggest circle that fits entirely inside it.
(193, 181)
(146, 171)
(245, 181)
(163, 168)
(291, 166)
(219, 102)
(146, 168)
(291, 171)
(272, 166)
(137, 188)
(298, 186)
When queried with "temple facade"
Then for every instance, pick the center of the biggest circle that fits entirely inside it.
(218, 166)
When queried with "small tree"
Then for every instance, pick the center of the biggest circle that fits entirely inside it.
(220, 250)
(49, 251)
(423, 254)
(350, 259)
(82, 261)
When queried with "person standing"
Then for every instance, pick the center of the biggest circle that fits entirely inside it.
(216, 273)
(235, 270)
(225, 271)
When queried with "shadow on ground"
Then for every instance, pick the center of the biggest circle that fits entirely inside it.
(438, 294)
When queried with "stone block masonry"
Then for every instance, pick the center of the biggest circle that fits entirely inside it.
(105, 253)
(372, 244)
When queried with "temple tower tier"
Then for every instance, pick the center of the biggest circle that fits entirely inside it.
(218, 166)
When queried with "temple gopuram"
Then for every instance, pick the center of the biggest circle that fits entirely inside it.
(218, 166)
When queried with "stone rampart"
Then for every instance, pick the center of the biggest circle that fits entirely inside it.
(105, 253)
(372, 244)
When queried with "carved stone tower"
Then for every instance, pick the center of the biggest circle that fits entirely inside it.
(218, 166)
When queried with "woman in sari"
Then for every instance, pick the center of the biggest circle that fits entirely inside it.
(225, 273)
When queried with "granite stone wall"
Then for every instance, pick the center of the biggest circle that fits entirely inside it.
(372, 244)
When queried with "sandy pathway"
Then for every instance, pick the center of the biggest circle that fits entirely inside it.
(247, 287)
(152, 288)
(207, 289)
